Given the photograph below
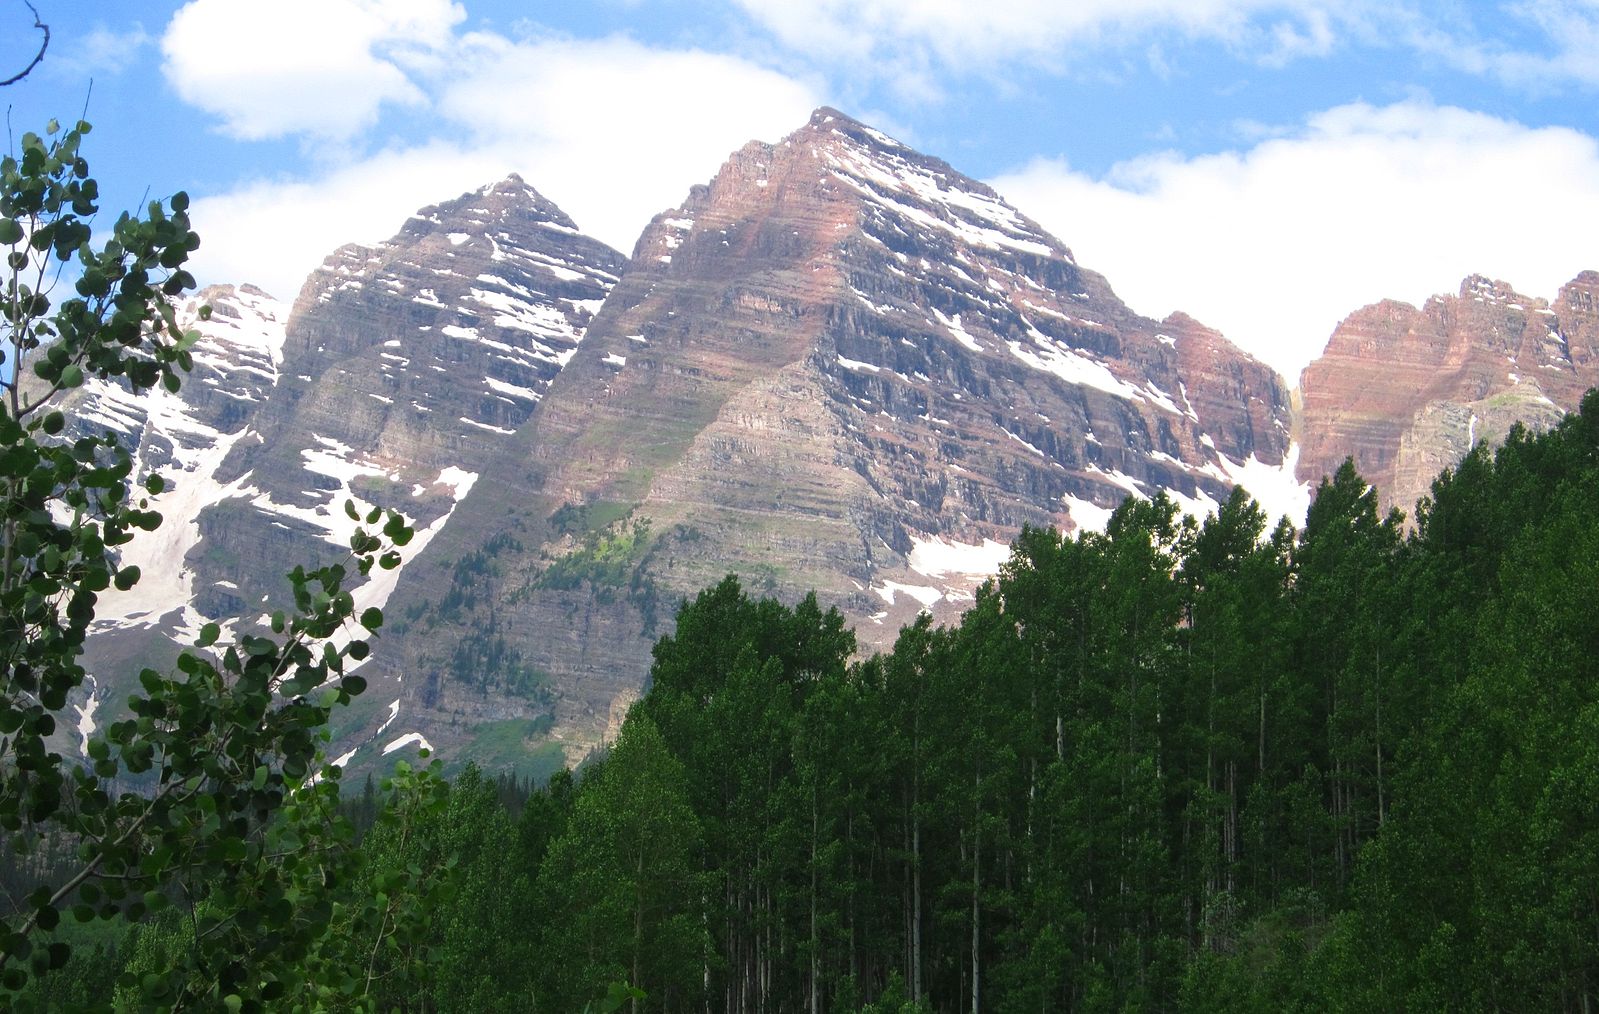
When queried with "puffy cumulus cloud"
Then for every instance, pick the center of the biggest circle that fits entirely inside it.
(1275, 244)
(612, 131)
(272, 233)
(905, 36)
(269, 68)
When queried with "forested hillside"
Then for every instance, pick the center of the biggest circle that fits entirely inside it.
(1171, 767)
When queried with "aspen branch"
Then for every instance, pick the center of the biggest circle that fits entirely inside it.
(43, 45)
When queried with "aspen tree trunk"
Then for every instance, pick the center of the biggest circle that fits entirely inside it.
(905, 893)
(916, 865)
(916, 907)
(977, 863)
(815, 939)
(1260, 757)
(638, 926)
(1210, 780)
(1232, 822)
(1381, 807)
(849, 838)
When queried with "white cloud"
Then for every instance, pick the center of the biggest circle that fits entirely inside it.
(269, 68)
(1569, 31)
(100, 52)
(612, 131)
(1275, 244)
(272, 233)
(913, 45)
(900, 34)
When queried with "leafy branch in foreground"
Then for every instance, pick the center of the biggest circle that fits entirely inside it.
(233, 823)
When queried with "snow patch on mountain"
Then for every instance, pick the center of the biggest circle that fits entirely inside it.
(888, 590)
(938, 557)
(920, 194)
(245, 333)
(410, 737)
(1087, 516)
(1274, 487)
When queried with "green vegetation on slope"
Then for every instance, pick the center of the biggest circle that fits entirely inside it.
(1172, 767)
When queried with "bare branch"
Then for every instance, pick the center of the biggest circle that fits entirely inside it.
(43, 45)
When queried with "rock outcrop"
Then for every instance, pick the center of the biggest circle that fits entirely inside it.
(840, 366)
(1406, 392)
(405, 366)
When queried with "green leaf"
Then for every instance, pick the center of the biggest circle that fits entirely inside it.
(72, 376)
(372, 618)
(126, 578)
(208, 635)
(10, 231)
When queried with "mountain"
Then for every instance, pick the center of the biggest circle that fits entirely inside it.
(390, 381)
(186, 437)
(406, 365)
(841, 366)
(1407, 391)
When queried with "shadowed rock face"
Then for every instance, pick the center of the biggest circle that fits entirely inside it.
(393, 381)
(840, 366)
(1406, 392)
(404, 367)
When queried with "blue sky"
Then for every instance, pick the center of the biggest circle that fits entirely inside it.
(1264, 165)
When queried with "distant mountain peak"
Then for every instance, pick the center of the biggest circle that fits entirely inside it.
(507, 199)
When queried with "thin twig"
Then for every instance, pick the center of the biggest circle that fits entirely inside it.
(41, 26)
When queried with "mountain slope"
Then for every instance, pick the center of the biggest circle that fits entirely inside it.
(405, 366)
(392, 381)
(840, 366)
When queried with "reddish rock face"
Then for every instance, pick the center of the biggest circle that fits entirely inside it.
(841, 366)
(1406, 392)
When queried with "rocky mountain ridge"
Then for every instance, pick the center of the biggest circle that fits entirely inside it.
(1407, 391)
(839, 366)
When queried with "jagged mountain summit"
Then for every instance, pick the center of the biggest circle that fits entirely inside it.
(1406, 391)
(390, 381)
(840, 366)
(405, 366)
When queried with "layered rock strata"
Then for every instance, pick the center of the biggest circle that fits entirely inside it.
(1406, 392)
(840, 366)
